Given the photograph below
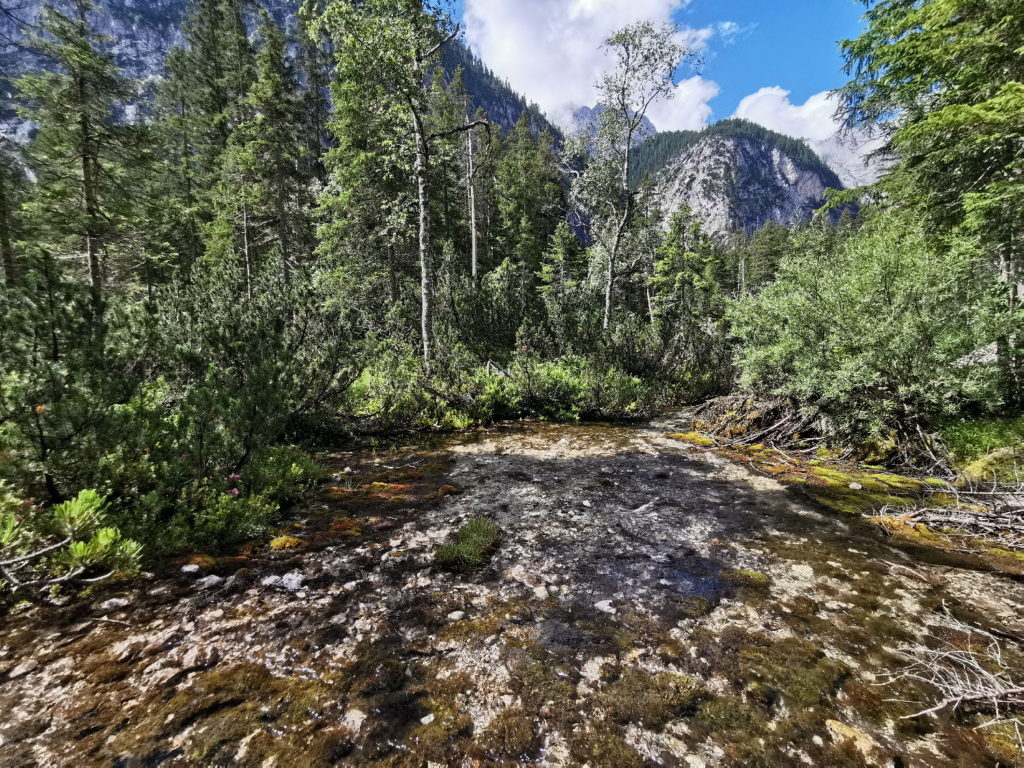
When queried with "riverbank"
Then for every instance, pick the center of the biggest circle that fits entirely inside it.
(649, 602)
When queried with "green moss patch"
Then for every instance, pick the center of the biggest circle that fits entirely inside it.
(743, 578)
(471, 547)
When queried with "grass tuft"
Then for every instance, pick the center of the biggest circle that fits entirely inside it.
(472, 546)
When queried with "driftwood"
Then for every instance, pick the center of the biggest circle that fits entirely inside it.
(974, 671)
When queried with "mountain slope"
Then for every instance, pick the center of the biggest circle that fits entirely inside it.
(735, 175)
(144, 31)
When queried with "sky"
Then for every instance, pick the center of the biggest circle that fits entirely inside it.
(770, 62)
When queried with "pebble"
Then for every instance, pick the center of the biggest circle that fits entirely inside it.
(605, 606)
(428, 719)
(209, 581)
(541, 593)
(353, 719)
(190, 570)
(456, 616)
(112, 604)
(856, 487)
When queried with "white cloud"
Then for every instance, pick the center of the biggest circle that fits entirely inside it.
(550, 50)
(771, 107)
(689, 110)
(815, 120)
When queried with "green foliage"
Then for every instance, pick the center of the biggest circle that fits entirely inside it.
(471, 547)
(971, 438)
(869, 332)
(70, 541)
(941, 81)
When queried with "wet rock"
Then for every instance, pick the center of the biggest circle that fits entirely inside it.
(208, 582)
(199, 657)
(29, 665)
(292, 581)
(841, 732)
(354, 719)
(191, 569)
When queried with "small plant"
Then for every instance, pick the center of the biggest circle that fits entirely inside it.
(67, 543)
(472, 546)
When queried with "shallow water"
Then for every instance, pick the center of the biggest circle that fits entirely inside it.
(649, 604)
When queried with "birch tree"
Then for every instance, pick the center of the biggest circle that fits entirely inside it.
(644, 61)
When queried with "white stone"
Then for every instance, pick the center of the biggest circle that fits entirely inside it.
(190, 570)
(541, 593)
(428, 719)
(605, 606)
(456, 616)
(292, 581)
(209, 581)
(113, 604)
(353, 719)
(856, 487)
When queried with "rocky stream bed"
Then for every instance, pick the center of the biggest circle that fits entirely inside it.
(650, 604)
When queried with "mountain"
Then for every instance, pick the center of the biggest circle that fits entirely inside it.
(142, 32)
(584, 120)
(735, 175)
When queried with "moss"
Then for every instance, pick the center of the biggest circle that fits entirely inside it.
(206, 562)
(512, 734)
(478, 629)
(471, 547)
(743, 578)
(725, 716)
(604, 749)
(432, 740)
(538, 682)
(694, 438)
(347, 527)
(795, 668)
(653, 700)
(286, 542)
(693, 606)
(445, 490)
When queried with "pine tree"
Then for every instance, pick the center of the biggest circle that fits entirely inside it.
(80, 152)
(260, 200)
(942, 80)
(12, 184)
(528, 195)
(384, 51)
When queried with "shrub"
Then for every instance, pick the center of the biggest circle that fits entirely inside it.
(67, 543)
(868, 332)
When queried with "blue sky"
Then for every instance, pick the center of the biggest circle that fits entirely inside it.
(787, 43)
(771, 62)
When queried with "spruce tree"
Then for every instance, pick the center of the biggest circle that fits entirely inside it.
(80, 152)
